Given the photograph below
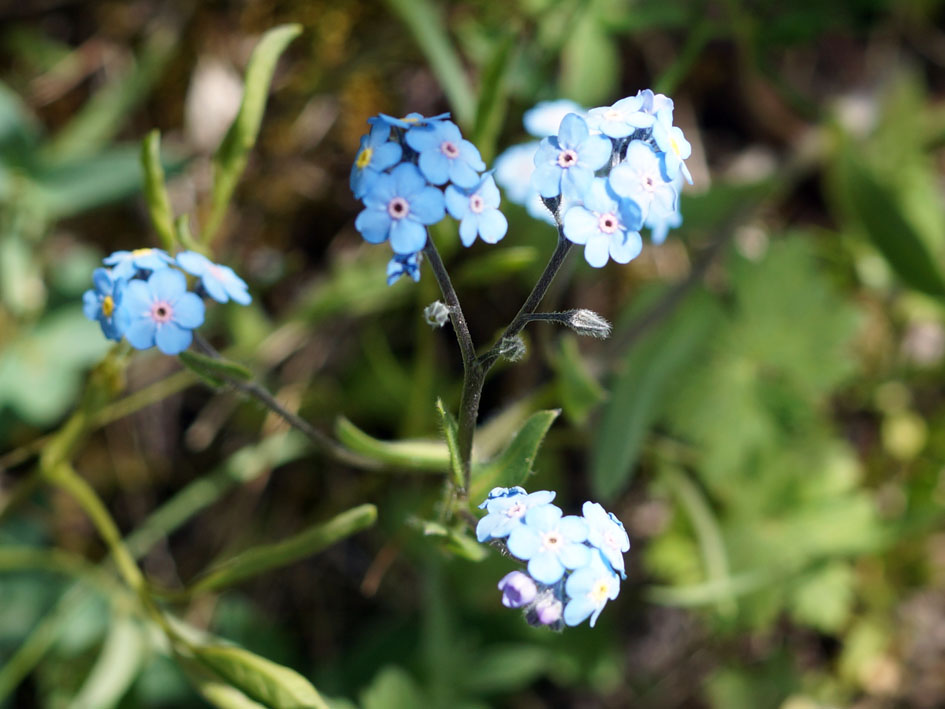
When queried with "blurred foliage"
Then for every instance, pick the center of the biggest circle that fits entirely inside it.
(767, 418)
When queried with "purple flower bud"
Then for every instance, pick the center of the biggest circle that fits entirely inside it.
(548, 610)
(518, 589)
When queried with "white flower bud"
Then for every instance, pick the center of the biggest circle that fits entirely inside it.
(512, 348)
(436, 314)
(587, 322)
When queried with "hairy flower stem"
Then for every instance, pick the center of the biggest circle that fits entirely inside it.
(475, 368)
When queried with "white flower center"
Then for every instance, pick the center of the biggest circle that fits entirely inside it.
(477, 204)
(567, 158)
(551, 541)
(608, 223)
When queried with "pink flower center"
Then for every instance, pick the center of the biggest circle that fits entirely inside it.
(449, 149)
(551, 540)
(516, 510)
(215, 271)
(161, 312)
(398, 208)
(611, 539)
(612, 114)
(608, 223)
(476, 204)
(567, 158)
(648, 183)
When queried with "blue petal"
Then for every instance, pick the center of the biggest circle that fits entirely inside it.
(166, 284)
(547, 179)
(136, 299)
(189, 311)
(140, 333)
(468, 229)
(489, 192)
(424, 138)
(426, 206)
(545, 567)
(469, 154)
(462, 175)
(575, 556)
(543, 517)
(595, 152)
(573, 528)
(194, 263)
(102, 281)
(385, 156)
(576, 180)
(90, 305)
(493, 226)
(579, 224)
(435, 166)
(626, 248)
(407, 180)
(572, 132)
(407, 236)
(577, 611)
(457, 203)
(215, 289)
(597, 250)
(172, 340)
(523, 542)
(373, 225)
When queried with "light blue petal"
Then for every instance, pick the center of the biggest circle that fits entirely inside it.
(102, 281)
(576, 180)
(166, 284)
(463, 175)
(457, 203)
(194, 263)
(493, 226)
(523, 542)
(595, 152)
(172, 340)
(136, 298)
(624, 248)
(539, 497)
(373, 224)
(90, 305)
(424, 138)
(543, 517)
(575, 556)
(435, 166)
(572, 132)
(215, 289)
(426, 206)
(189, 311)
(484, 527)
(468, 229)
(579, 225)
(385, 156)
(407, 180)
(140, 333)
(547, 179)
(489, 192)
(469, 154)
(545, 568)
(573, 528)
(407, 236)
(577, 611)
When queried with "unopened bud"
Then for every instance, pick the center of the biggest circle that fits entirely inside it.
(436, 314)
(512, 348)
(587, 322)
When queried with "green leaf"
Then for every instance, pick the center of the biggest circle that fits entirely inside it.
(392, 688)
(155, 191)
(491, 109)
(640, 390)
(579, 391)
(116, 667)
(496, 264)
(413, 455)
(514, 464)
(823, 599)
(215, 370)
(230, 158)
(589, 62)
(455, 539)
(879, 214)
(507, 668)
(261, 680)
(265, 557)
(451, 435)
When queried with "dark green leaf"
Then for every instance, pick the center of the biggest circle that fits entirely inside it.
(214, 368)
(155, 191)
(415, 455)
(451, 435)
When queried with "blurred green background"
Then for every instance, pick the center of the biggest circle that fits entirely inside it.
(766, 419)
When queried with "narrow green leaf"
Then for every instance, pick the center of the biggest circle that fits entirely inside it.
(412, 455)
(116, 667)
(579, 391)
(639, 392)
(495, 265)
(262, 680)
(184, 236)
(880, 216)
(223, 696)
(392, 688)
(214, 368)
(712, 592)
(491, 108)
(455, 539)
(259, 559)
(230, 158)
(451, 434)
(429, 31)
(155, 191)
(589, 62)
(514, 464)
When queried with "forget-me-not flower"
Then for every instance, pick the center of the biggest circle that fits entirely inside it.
(513, 171)
(544, 118)
(589, 588)
(375, 155)
(565, 164)
(518, 589)
(607, 225)
(445, 156)
(640, 178)
(403, 265)
(621, 119)
(220, 282)
(160, 311)
(508, 512)
(125, 264)
(399, 206)
(673, 143)
(477, 210)
(550, 543)
(408, 121)
(101, 302)
(607, 533)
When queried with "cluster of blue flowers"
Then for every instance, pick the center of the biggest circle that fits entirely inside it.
(410, 172)
(573, 562)
(602, 174)
(143, 297)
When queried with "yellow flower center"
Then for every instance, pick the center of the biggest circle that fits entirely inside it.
(140, 252)
(108, 306)
(364, 158)
(674, 146)
(600, 591)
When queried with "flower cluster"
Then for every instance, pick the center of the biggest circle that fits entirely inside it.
(574, 564)
(409, 172)
(143, 297)
(603, 174)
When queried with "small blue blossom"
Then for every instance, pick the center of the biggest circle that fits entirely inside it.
(375, 155)
(408, 121)
(518, 589)
(659, 222)
(477, 210)
(544, 119)
(160, 311)
(399, 206)
(403, 265)
(655, 103)
(126, 264)
(621, 119)
(673, 143)
(550, 543)
(513, 171)
(102, 302)
(608, 226)
(507, 512)
(445, 155)
(607, 533)
(589, 589)
(498, 492)
(640, 178)
(220, 282)
(566, 164)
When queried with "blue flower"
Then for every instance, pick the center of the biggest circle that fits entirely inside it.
(655, 103)
(126, 264)
(607, 226)
(375, 155)
(544, 119)
(403, 265)
(498, 492)
(160, 311)
(621, 119)
(659, 222)
(589, 589)
(398, 206)
(478, 211)
(220, 282)
(445, 155)
(606, 532)
(550, 543)
(640, 178)
(513, 171)
(674, 145)
(102, 302)
(518, 589)
(566, 163)
(507, 512)
(408, 121)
